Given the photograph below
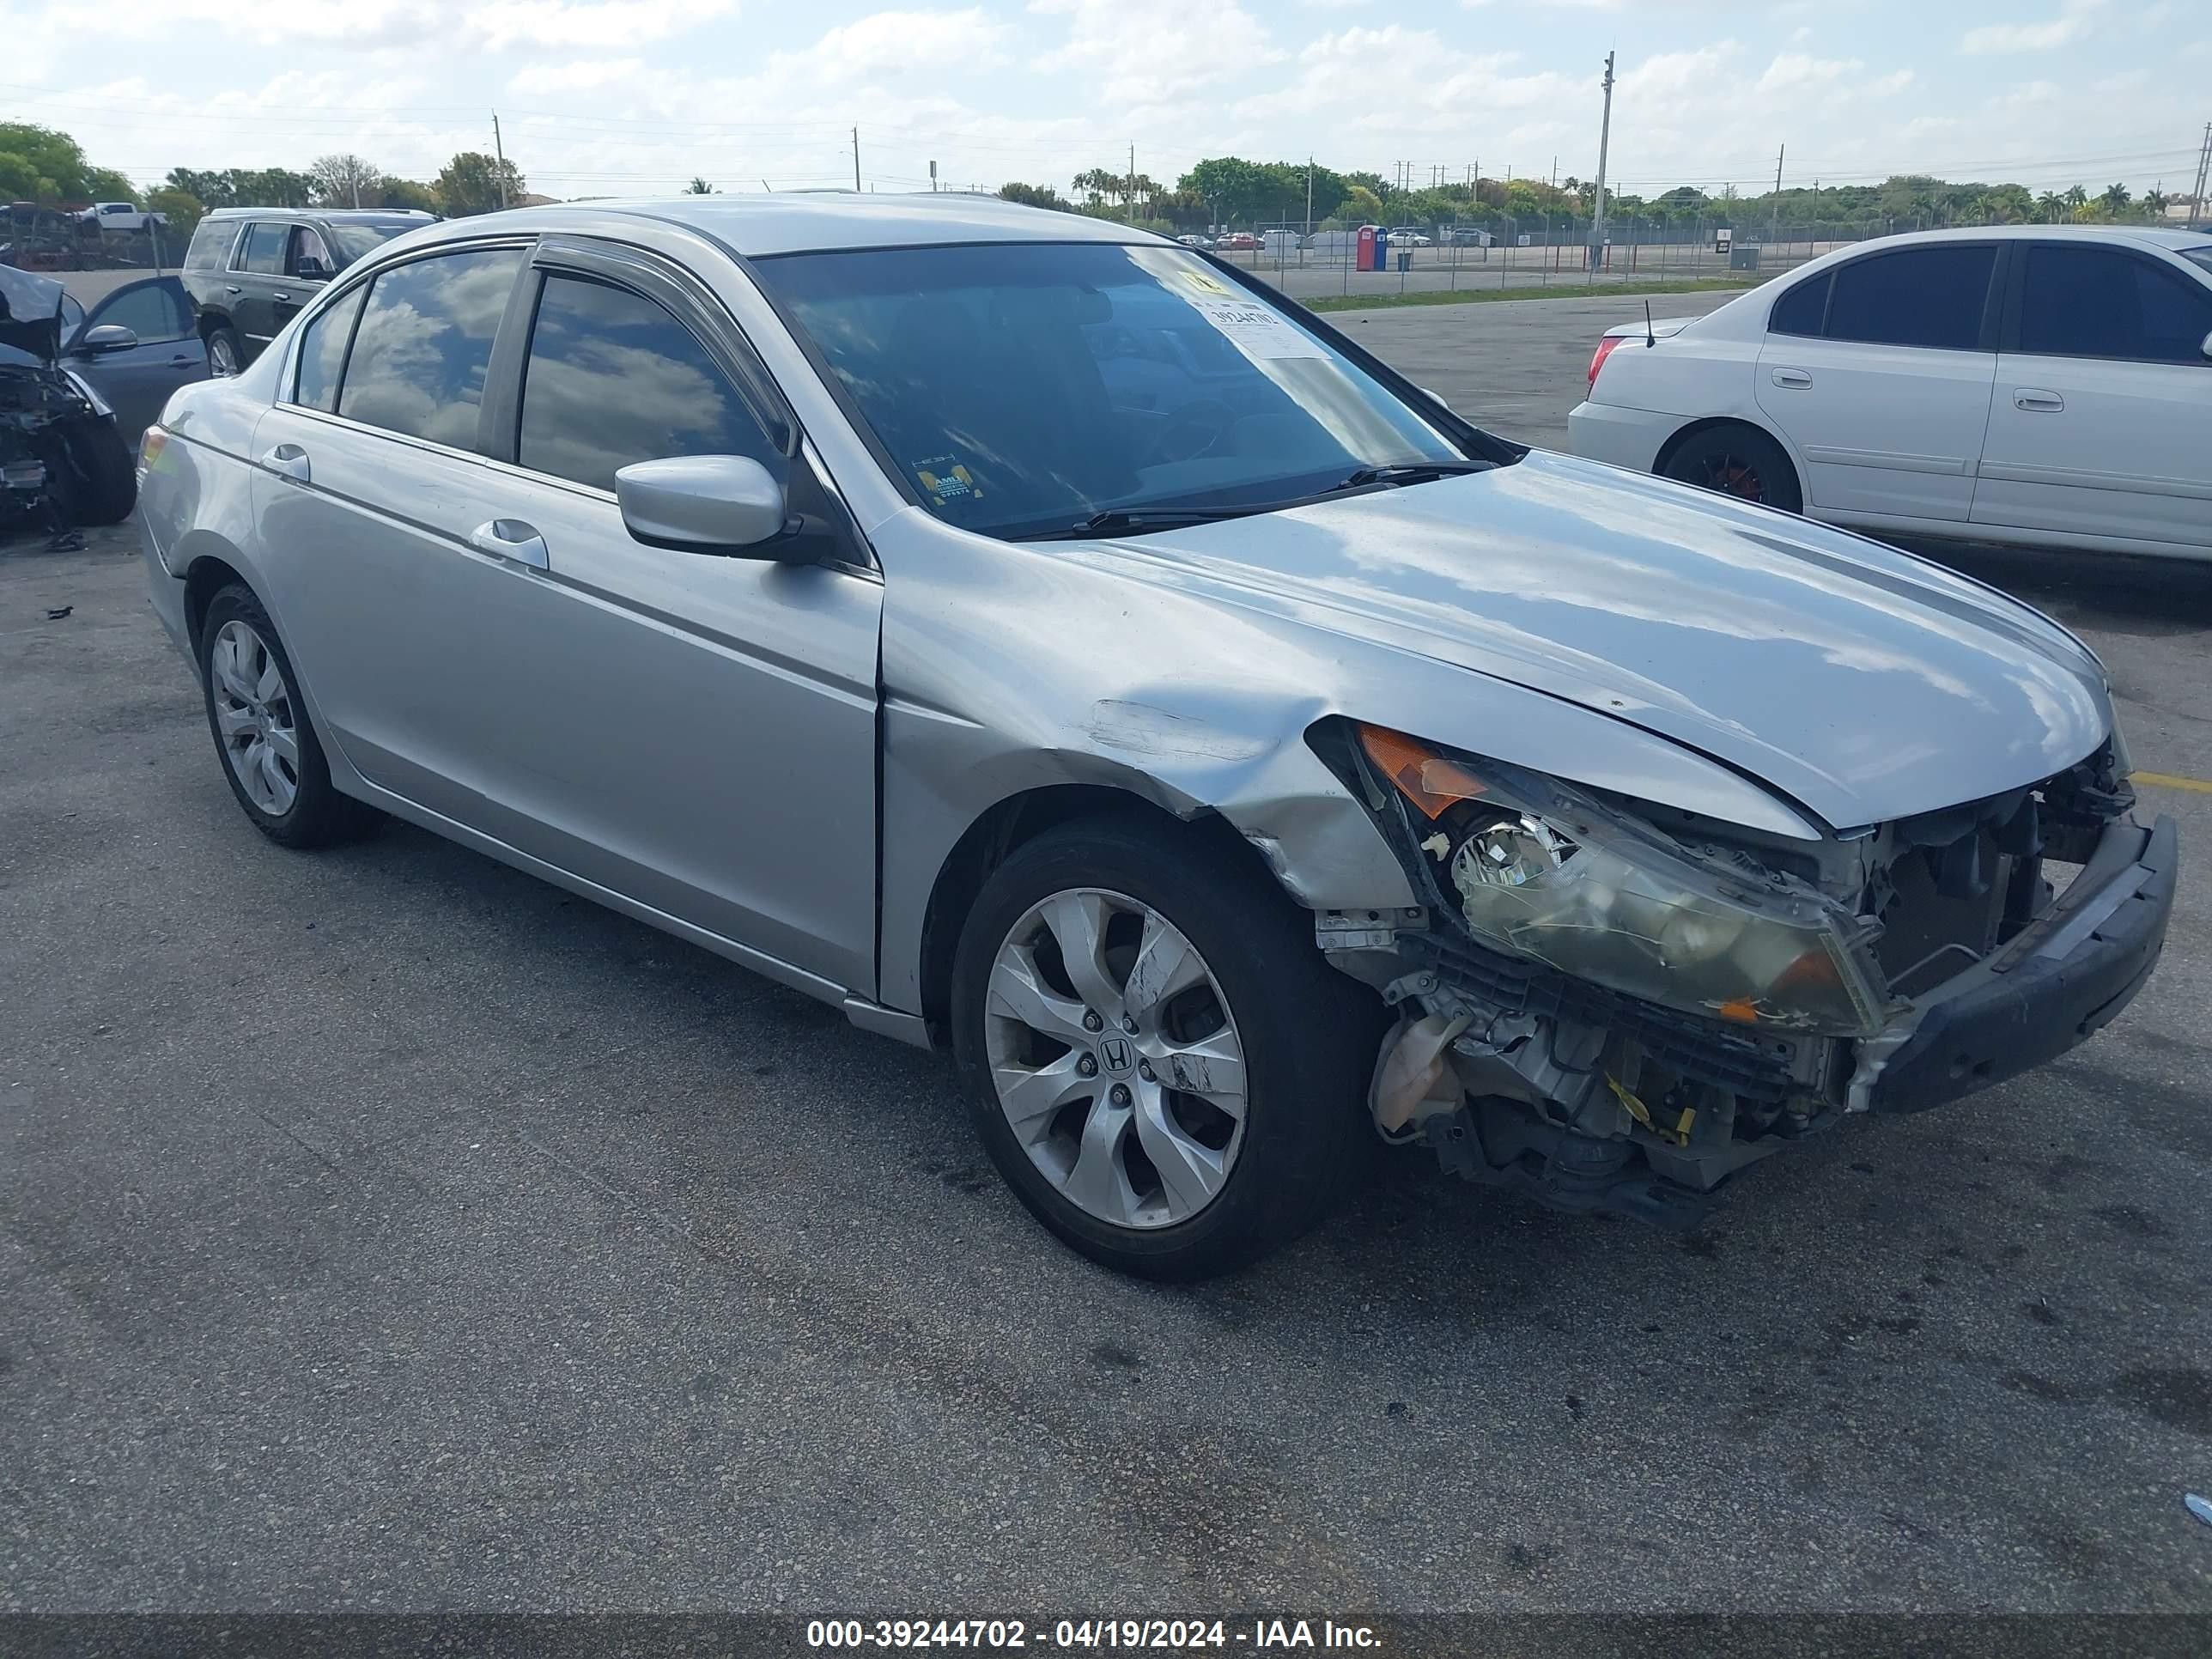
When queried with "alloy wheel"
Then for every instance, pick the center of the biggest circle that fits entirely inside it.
(254, 718)
(222, 357)
(1116, 1058)
(1732, 476)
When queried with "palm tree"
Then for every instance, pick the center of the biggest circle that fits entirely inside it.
(2077, 197)
(2115, 199)
(698, 186)
(2050, 202)
(2154, 203)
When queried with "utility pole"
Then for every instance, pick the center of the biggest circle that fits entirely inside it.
(498, 150)
(2203, 177)
(1129, 202)
(1309, 165)
(1774, 219)
(1604, 142)
(856, 160)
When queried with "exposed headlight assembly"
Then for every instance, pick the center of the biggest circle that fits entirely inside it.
(1543, 869)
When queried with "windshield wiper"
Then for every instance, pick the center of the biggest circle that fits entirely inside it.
(1137, 522)
(1410, 472)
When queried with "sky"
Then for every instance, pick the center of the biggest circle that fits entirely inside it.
(633, 97)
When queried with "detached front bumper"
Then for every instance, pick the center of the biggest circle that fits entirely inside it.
(2065, 977)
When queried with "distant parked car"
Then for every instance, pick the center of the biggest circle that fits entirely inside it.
(249, 269)
(1195, 241)
(1238, 241)
(1406, 236)
(2021, 383)
(122, 218)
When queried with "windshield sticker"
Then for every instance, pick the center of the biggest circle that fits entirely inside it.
(1255, 331)
(1206, 283)
(946, 480)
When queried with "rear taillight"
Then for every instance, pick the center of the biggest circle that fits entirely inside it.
(1604, 350)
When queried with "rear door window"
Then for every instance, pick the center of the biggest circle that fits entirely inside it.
(310, 257)
(613, 379)
(1931, 296)
(2102, 302)
(264, 252)
(425, 343)
(210, 245)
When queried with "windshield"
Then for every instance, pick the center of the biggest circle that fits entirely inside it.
(1023, 387)
(2203, 256)
(355, 239)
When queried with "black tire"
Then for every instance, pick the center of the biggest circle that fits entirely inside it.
(1309, 1036)
(1739, 460)
(319, 816)
(221, 340)
(105, 487)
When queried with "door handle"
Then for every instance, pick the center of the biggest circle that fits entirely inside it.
(290, 460)
(1795, 379)
(281, 296)
(231, 288)
(2037, 400)
(511, 538)
(182, 361)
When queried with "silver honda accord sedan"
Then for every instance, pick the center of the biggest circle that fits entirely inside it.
(1042, 640)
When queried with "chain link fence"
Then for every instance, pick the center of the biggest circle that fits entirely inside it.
(1540, 252)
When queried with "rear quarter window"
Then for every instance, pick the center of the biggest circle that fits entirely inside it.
(210, 245)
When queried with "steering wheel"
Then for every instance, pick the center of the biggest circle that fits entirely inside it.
(1191, 431)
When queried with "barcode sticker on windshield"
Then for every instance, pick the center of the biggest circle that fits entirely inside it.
(1255, 331)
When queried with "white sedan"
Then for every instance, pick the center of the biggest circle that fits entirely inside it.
(2022, 383)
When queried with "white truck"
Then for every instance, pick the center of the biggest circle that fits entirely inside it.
(123, 217)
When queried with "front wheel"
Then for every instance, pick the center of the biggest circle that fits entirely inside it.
(1159, 1059)
(107, 485)
(1739, 460)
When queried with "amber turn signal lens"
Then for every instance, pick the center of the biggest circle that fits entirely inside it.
(1428, 780)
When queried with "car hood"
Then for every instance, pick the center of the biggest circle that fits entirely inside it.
(31, 313)
(1860, 682)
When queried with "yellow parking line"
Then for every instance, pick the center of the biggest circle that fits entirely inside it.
(2167, 780)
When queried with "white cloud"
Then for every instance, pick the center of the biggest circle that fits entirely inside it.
(586, 22)
(2071, 24)
(897, 42)
(1146, 50)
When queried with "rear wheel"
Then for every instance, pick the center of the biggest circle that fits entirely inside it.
(1737, 460)
(224, 357)
(1161, 1064)
(271, 754)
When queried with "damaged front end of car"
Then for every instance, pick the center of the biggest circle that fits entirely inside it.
(1615, 1005)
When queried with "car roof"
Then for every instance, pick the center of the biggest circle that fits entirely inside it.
(807, 222)
(2153, 236)
(342, 215)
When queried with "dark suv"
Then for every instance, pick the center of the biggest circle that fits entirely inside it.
(249, 269)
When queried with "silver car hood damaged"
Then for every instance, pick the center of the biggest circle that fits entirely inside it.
(1858, 681)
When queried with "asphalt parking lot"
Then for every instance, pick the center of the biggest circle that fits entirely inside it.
(385, 1230)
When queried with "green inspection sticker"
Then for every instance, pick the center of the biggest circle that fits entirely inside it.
(946, 480)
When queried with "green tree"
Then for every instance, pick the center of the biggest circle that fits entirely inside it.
(183, 210)
(212, 189)
(1360, 206)
(41, 164)
(1036, 195)
(2076, 197)
(471, 182)
(698, 186)
(2115, 200)
(346, 181)
(392, 192)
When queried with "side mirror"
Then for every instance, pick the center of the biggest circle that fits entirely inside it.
(312, 271)
(1435, 396)
(725, 504)
(2207, 347)
(108, 337)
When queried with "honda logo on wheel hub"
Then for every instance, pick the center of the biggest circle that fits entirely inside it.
(1116, 1056)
